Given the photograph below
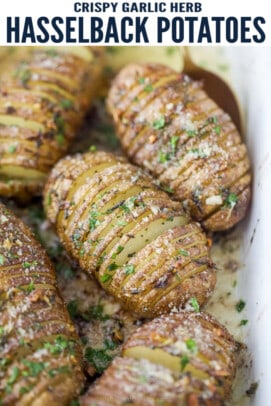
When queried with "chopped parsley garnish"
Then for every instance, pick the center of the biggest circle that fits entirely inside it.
(98, 357)
(12, 149)
(173, 143)
(129, 204)
(231, 200)
(129, 269)
(191, 345)
(164, 157)
(66, 104)
(217, 129)
(26, 389)
(60, 345)
(194, 303)
(60, 139)
(184, 361)
(92, 148)
(60, 370)
(106, 277)
(30, 287)
(122, 223)
(95, 312)
(51, 52)
(211, 120)
(75, 402)
(2, 259)
(170, 50)
(159, 123)
(93, 220)
(34, 368)
(184, 253)
(198, 152)
(243, 322)
(73, 308)
(1, 330)
(118, 251)
(148, 88)
(23, 74)
(29, 264)
(14, 375)
(141, 81)
(112, 267)
(240, 305)
(191, 133)
(101, 259)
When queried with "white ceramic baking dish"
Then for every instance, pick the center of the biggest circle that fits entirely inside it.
(250, 70)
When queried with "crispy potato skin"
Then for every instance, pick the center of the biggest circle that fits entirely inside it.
(207, 346)
(137, 242)
(43, 99)
(168, 125)
(40, 352)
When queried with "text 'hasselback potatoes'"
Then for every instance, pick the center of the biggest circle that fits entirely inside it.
(183, 359)
(139, 244)
(168, 125)
(40, 358)
(44, 96)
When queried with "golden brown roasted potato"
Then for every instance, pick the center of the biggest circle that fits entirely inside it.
(183, 359)
(140, 245)
(168, 125)
(44, 96)
(40, 360)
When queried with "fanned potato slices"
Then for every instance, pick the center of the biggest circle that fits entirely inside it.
(138, 243)
(183, 359)
(43, 99)
(168, 125)
(40, 359)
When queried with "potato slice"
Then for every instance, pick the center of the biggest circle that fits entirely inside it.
(41, 358)
(114, 222)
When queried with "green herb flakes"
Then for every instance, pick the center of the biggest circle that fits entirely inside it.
(29, 264)
(72, 307)
(106, 277)
(12, 149)
(92, 148)
(129, 269)
(163, 157)
(191, 133)
(159, 123)
(184, 253)
(173, 143)
(191, 345)
(112, 267)
(184, 361)
(194, 303)
(2, 259)
(118, 251)
(66, 104)
(240, 305)
(33, 368)
(231, 200)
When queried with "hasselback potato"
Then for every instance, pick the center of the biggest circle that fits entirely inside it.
(140, 245)
(183, 359)
(168, 125)
(40, 359)
(44, 96)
